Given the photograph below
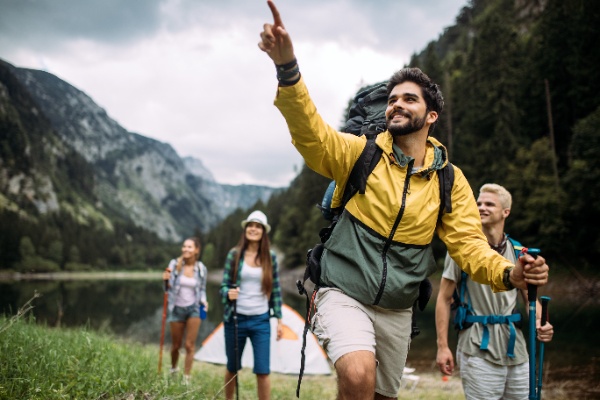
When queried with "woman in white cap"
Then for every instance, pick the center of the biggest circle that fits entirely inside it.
(251, 295)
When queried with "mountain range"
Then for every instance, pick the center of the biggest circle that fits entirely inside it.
(60, 152)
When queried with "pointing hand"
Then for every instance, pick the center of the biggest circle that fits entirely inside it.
(275, 40)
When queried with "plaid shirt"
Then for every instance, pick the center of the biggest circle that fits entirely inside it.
(275, 301)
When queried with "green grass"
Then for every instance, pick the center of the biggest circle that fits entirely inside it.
(39, 362)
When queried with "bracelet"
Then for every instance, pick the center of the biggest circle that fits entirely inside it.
(283, 67)
(290, 82)
(288, 74)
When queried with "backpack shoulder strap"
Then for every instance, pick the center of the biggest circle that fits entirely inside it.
(462, 303)
(463, 286)
(368, 159)
(516, 245)
(446, 179)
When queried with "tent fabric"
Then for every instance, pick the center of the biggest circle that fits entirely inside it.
(285, 353)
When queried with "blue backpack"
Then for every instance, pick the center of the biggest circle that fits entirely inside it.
(465, 316)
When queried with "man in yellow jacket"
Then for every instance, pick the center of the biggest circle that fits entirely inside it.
(379, 250)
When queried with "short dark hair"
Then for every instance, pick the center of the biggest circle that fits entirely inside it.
(431, 91)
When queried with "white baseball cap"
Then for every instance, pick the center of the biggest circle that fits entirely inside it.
(257, 216)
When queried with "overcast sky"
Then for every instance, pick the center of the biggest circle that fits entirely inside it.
(189, 72)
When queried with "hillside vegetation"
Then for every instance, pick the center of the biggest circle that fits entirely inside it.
(522, 92)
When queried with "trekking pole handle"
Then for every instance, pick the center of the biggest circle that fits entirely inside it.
(532, 289)
(232, 286)
(544, 300)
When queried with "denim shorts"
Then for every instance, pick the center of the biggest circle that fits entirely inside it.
(182, 314)
(258, 329)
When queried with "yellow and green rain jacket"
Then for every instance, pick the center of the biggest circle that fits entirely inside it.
(379, 250)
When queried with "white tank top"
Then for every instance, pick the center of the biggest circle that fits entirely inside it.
(251, 299)
(187, 291)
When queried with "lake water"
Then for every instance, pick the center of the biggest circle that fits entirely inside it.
(133, 309)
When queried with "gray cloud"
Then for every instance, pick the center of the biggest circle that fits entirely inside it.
(43, 24)
(385, 24)
(188, 72)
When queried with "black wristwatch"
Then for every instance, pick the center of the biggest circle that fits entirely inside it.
(506, 278)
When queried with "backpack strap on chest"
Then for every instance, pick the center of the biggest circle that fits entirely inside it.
(465, 318)
(486, 320)
(516, 246)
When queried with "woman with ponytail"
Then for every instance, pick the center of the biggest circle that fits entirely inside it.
(187, 294)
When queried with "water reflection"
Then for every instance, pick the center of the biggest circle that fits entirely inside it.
(127, 308)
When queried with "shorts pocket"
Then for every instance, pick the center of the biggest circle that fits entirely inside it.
(319, 330)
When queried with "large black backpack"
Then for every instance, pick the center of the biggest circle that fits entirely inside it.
(366, 116)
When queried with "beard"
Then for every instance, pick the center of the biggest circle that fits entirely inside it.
(413, 124)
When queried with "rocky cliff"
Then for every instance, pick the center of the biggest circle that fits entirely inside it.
(63, 153)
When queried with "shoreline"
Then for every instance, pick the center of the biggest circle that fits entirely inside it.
(569, 285)
(65, 276)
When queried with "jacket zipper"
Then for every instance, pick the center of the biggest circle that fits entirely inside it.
(390, 238)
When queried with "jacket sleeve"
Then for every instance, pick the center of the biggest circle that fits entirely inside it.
(276, 300)
(461, 231)
(203, 281)
(326, 151)
(171, 268)
(227, 271)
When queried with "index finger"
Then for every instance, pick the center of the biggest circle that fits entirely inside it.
(276, 17)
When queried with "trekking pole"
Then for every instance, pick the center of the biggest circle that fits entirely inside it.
(545, 300)
(532, 298)
(162, 328)
(235, 338)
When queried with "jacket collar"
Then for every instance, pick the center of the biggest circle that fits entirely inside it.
(436, 155)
